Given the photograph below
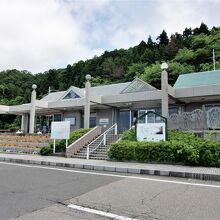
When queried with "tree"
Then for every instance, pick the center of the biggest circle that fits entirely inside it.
(135, 69)
(185, 55)
(150, 43)
(163, 38)
(202, 29)
(175, 43)
(141, 47)
(152, 74)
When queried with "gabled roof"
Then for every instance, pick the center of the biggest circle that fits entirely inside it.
(112, 89)
(53, 96)
(77, 90)
(198, 79)
(137, 85)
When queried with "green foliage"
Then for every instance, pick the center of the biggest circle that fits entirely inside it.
(97, 80)
(135, 69)
(129, 135)
(185, 55)
(184, 148)
(152, 73)
(61, 145)
(44, 151)
(75, 135)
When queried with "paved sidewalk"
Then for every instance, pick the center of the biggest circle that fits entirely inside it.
(203, 173)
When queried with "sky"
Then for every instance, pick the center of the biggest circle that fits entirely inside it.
(38, 35)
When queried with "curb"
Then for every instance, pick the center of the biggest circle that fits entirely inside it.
(200, 176)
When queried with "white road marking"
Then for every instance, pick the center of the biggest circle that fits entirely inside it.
(98, 212)
(113, 175)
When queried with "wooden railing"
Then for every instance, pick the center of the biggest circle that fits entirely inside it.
(83, 141)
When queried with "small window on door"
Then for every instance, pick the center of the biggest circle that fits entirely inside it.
(150, 118)
(57, 117)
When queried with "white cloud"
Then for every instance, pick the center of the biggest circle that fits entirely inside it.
(40, 34)
(37, 35)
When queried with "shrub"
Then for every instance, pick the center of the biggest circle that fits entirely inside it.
(61, 145)
(46, 150)
(129, 135)
(184, 148)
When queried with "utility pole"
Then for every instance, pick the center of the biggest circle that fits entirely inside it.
(213, 57)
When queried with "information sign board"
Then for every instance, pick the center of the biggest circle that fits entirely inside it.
(151, 132)
(104, 121)
(60, 130)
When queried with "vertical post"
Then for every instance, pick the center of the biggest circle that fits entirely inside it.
(66, 143)
(87, 153)
(32, 110)
(104, 139)
(116, 129)
(87, 102)
(213, 57)
(130, 119)
(164, 90)
(54, 146)
(24, 123)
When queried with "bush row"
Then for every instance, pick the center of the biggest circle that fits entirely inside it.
(182, 148)
(61, 145)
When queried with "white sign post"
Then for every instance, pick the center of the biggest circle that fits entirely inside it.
(151, 132)
(60, 130)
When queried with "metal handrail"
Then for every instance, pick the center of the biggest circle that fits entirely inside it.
(97, 146)
(102, 140)
(102, 135)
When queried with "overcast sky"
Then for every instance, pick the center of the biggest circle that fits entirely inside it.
(37, 35)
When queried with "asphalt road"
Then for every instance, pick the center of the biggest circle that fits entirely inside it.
(32, 192)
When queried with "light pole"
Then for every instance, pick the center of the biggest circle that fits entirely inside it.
(32, 110)
(164, 89)
(87, 101)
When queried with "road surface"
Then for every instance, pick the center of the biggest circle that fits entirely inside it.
(40, 192)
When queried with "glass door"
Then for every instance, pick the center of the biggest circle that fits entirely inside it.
(150, 118)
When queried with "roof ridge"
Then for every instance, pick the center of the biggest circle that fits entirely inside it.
(199, 72)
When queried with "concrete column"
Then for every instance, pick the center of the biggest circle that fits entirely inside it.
(32, 110)
(24, 123)
(164, 90)
(87, 102)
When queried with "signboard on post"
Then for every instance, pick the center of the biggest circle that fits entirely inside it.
(151, 132)
(60, 130)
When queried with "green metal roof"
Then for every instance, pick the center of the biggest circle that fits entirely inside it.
(198, 79)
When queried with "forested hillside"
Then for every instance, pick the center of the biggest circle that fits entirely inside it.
(185, 52)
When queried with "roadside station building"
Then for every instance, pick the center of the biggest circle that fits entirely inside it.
(118, 103)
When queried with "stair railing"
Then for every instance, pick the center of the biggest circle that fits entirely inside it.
(83, 141)
(102, 139)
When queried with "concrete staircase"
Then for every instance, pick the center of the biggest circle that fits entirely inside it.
(100, 153)
(98, 149)
(22, 143)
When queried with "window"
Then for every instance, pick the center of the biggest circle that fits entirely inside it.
(210, 106)
(150, 118)
(71, 120)
(57, 117)
(172, 110)
(71, 95)
(92, 121)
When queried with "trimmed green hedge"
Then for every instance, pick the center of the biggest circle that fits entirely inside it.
(61, 145)
(184, 148)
